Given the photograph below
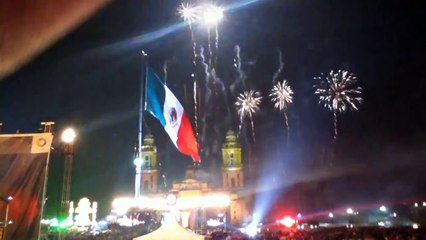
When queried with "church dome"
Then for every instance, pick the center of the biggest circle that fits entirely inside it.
(231, 136)
(148, 140)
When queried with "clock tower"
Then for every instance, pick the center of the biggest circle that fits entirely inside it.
(150, 172)
(232, 166)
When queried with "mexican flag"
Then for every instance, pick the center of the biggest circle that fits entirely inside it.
(164, 106)
(23, 166)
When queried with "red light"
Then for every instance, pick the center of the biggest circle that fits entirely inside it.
(287, 221)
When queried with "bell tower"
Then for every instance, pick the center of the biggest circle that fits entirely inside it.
(232, 166)
(150, 173)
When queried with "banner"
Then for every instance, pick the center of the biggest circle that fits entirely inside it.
(23, 165)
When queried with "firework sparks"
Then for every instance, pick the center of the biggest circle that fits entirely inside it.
(189, 13)
(338, 92)
(282, 97)
(212, 15)
(247, 105)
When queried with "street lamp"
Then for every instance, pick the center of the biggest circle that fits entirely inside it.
(6, 216)
(138, 164)
(67, 137)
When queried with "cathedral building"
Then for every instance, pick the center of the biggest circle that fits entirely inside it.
(194, 201)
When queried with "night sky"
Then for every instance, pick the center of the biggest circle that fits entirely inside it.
(90, 80)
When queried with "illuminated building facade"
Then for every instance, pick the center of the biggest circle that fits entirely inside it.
(233, 178)
(193, 201)
(150, 172)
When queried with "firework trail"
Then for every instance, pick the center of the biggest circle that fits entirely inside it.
(280, 67)
(209, 45)
(165, 70)
(282, 97)
(216, 45)
(217, 110)
(338, 92)
(212, 15)
(209, 91)
(195, 106)
(247, 105)
(190, 14)
(201, 76)
(239, 83)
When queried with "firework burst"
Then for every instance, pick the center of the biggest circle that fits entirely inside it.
(188, 13)
(247, 105)
(338, 92)
(282, 97)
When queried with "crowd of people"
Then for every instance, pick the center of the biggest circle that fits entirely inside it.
(362, 233)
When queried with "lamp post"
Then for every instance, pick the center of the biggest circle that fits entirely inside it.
(138, 165)
(68, 136)
(6, 216)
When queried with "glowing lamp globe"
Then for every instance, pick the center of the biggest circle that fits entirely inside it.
(137, 162)
(382, 208)
(212, 14)
(68, 135)
(349, 211)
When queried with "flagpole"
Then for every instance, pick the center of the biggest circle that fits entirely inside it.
(138, 160)
(142, 99)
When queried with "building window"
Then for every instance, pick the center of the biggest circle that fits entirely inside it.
(145, 184)
(231, 163)
(147, 162)
(232, 182)
(231, 160)
(238, 180)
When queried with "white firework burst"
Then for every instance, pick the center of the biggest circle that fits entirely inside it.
(247, 105)
(189, 13)
(282, 97)
(338, 92)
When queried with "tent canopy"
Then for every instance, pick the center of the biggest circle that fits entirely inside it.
(170, 230)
